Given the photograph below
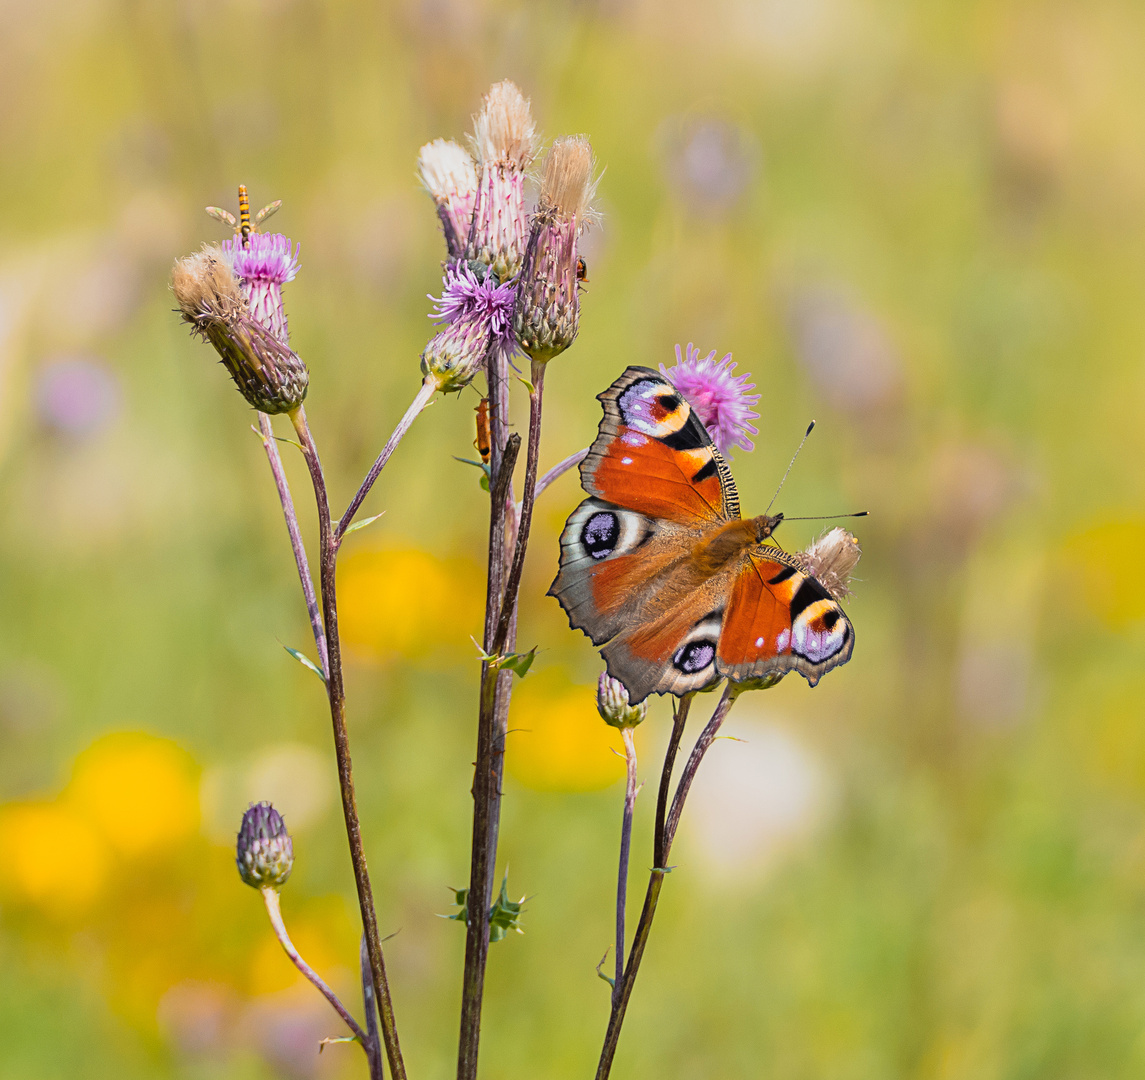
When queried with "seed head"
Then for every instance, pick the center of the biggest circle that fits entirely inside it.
(456, 354)
(211, 299)
(831, 559)
(447, 172)
(547, 314)
(505, 142)
(612, 703)
(264, 852)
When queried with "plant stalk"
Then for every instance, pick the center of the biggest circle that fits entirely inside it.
(623, 992)
(625, 848)
(337, 697)
(273, 909)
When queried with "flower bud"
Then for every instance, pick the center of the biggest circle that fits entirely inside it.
(831, 560)
(264, 853)
(505, 142)
(612, 703)
(447, 172)
(268, 374)
(547, 313)
(457, 353)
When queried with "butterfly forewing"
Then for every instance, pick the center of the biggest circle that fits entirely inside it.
(652, 454)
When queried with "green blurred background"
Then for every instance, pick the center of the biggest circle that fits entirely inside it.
(920, 224)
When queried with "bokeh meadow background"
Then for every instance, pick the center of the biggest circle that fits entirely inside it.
(919, 224)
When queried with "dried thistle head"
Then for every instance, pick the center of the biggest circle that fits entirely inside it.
(831, 559)
(567, 182)
(504, 143)
(547, 315)
(448, 173)
(267, 373)
(503, 131)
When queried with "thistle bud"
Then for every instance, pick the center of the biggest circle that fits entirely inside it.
(268, 374)
(264, 853)
(831, 560)
(547, 313)
(456, 354)
(505, 142)
(447, 172)
(612, 703)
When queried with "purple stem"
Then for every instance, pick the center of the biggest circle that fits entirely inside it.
(423, 397)
(623, 992)
(270, 896)
(336, 694)
(625, 847)
(560, 469)
(270, 445)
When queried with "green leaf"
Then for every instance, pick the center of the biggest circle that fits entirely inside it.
(519, 663)
(306, 662)
(363, 524)
(528, 385)
(504, 915)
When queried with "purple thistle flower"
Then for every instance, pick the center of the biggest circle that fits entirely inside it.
(262, 269)
(464, 296)
(720, 398)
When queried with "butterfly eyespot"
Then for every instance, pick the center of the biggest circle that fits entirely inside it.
(600, 534)
(830, 619)
(669, 402)
(695, 656)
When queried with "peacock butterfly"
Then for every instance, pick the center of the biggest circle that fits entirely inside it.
(659, 568)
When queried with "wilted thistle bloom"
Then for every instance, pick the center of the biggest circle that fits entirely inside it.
(268, 374)
(831, 560)
(447, 172)
(477, 310)
(548, 306)
(504, 141)
(721, 398)
(612, 703)
(264, 852)
(262, 268)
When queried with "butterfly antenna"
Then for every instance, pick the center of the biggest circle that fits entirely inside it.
(827, 517)
(810, 428)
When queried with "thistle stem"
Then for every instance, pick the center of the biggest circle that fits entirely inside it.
(421, 400)
(374, 1055)
(625, 847)
(513, 581)
(270, 898)
(485, 780)
(623, 991)
(337, 697)
(270, 445)
(559, 469)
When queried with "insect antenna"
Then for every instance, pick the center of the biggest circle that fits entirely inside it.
(810, 428)
(827, 517)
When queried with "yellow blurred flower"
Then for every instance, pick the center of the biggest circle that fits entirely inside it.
(1102, 560)
(557, 740)
(139, 791)
(51, 857)
(408, 602)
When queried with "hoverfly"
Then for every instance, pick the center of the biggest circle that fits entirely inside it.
(244, 227)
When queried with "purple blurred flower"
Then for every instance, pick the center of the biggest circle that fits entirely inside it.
(262, 269)
(77, 396)
(720, 398)
(466, 296)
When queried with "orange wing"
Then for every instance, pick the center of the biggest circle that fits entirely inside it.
(654, 456)
(781, 619)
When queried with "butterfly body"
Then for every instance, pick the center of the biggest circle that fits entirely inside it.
(659, 568)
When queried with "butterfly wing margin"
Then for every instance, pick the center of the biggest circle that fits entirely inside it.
(652, 454)
(781, 619)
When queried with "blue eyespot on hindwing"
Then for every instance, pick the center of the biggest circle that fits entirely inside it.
(694, 656)
(600, 534)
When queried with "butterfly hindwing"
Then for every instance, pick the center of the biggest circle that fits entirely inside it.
(779, 619)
